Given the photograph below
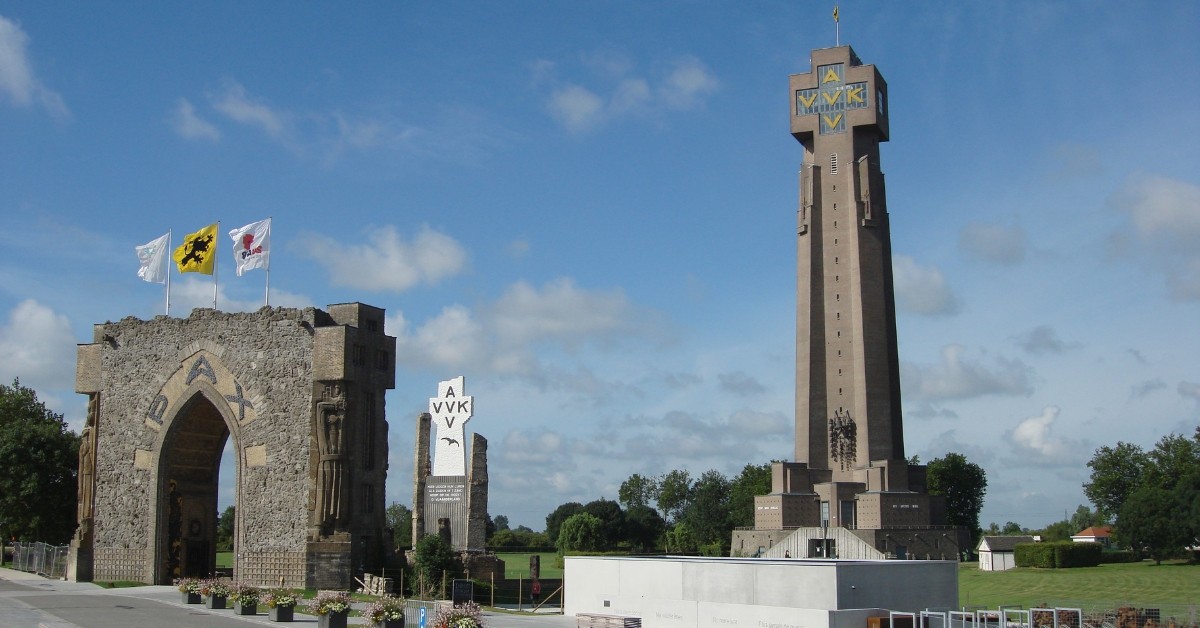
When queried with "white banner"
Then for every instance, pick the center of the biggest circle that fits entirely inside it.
(152, 257)
(252, 246)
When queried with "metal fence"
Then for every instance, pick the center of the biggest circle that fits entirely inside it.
(40, 558)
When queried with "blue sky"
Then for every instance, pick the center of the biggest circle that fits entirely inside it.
(588, 209)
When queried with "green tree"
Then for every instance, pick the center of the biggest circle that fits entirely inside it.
(501, 522)
(1116, 473)
(638, 490)
(1012, 528)
(1152, 520)
(555, 519)
(963, 484)
(754, 480)
(643, 528)
(398, 518)
(681, 539)
(674, 494)
(1085, 518)
(581, 532)
(1059, 531)
(40, 459)
(434, 561)
(225, 523)
(707, 514)
(1172, 458)
(612, 521)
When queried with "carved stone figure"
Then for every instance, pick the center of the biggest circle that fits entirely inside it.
(331, 469)
(87, 468)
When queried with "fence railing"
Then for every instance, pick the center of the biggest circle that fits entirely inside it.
(40, 558)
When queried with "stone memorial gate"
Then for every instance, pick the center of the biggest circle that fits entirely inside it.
(298, 394)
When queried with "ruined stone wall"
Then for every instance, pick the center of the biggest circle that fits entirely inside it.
(261, 364)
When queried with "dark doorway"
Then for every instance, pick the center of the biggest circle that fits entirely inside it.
(189, 472)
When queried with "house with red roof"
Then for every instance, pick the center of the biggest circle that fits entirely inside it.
(1094, 534)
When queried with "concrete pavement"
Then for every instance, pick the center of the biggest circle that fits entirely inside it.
(31, 601)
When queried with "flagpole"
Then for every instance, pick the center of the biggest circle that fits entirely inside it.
(267, 291)
(837, 27)
(216, 258)
(169, 232)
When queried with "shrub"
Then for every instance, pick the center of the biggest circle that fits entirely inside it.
(466, 615)
(278, 597)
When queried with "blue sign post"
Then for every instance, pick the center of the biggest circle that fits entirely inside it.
(422, 617)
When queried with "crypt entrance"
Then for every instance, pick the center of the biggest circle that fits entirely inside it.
(297, 398)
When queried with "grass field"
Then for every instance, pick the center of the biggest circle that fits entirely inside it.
(1135, 584)
(516, 565)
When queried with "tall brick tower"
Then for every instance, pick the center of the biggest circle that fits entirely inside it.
(850, 473)
(847, 375)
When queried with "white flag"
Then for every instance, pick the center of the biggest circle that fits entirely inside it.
(252, 246)
(153, 259)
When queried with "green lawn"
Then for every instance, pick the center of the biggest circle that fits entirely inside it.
(516, 565)
(1137, 584)
(224, 560)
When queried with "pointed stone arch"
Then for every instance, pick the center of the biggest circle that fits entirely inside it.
(165, 395)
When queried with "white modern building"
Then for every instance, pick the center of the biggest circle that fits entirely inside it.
(678, 591)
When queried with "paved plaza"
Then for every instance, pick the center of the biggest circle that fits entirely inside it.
(31, 601)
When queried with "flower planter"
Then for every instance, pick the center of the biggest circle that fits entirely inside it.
(245, 609)
(393, 623)
(215, 602)
(281, 613)
(332, 620)
(192, 598)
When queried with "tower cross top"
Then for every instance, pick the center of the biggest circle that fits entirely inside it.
(831, 97)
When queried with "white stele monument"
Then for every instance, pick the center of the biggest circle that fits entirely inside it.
(450, 411)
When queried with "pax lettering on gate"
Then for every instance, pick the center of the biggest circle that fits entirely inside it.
(205, 368)
(832, 98)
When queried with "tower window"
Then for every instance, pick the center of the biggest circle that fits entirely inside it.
(832, 163)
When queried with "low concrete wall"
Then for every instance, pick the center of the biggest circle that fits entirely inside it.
(674, 591)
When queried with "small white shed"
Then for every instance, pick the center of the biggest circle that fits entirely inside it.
(997, 553)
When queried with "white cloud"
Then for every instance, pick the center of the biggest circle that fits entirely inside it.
(618, 90)
(196, 291)
(235, 104)
(387, 262)
(576, 107)
(921, 289)
(38, 347)
(686, 83)
(1037, 443)
(559, 311)
(993, 243)
(956, 377)
(1163, 230)
(519, 333)
(191, 126)
(17, 79)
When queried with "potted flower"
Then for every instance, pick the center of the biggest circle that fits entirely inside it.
(331, 608)
(281, 604)
(190, 588)
(215, 592)
(245, 598)
(465, 615)
(385, 612)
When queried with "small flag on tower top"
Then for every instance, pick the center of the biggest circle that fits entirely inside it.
(835, 12)
(197, 254)
(252, 246)
(152, 258)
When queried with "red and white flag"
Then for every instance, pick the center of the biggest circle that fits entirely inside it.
(252, 246)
